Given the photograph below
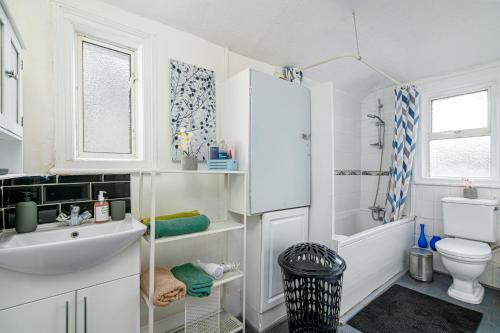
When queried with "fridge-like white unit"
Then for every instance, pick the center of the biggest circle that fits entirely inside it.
(267, 120)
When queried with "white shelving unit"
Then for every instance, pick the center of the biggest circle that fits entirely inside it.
(227, 323)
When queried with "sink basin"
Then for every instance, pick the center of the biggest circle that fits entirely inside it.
(62, 249)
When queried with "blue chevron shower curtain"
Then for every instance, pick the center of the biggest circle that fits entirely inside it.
(406, 121)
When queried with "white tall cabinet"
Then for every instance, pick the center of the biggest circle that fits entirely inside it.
(268, 122)
(11, 102)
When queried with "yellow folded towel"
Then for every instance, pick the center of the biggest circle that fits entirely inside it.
(172, 216)
(167, 287)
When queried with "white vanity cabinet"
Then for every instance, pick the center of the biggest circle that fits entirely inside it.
(102, 299)
(109, 307)
(50, 315)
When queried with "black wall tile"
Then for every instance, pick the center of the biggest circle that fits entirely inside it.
(79, 178)
(47, 214)
(87, 205)
(1, 219)
(65, 193)
(30, 180)
(113, 190)
(117, 177)
(12, 195)
(9, 217)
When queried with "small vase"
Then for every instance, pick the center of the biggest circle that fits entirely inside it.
(422, 241)
(189, 162)
(432, 244)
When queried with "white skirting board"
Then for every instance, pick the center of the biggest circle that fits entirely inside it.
(261, 322)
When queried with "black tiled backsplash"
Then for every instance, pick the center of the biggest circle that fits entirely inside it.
(87, 205)
(34, 180)
(55, 194)
(64, 193)
(113, 190)
(79, 179)
(12, 195)
(117, 178)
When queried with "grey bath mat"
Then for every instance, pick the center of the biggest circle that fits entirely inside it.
(403, 310)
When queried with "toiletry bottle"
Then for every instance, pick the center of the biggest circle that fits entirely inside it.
(26, 214)
(101, 209)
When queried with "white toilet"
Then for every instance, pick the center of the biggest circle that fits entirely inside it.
(473, 224)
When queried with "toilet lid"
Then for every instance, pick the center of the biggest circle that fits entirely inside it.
(464, 248)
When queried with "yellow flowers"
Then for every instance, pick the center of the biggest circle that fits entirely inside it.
(185, 141)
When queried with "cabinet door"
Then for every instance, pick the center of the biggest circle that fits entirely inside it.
(12, 82)
(51, 315)
(109, 307)
(280, 159)
(3, 24)
(279, 231)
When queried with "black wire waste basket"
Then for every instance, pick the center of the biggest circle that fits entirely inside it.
(312, 282)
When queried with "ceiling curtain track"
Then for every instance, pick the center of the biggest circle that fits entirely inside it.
(354, 56)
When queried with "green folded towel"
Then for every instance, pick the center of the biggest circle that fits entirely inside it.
(198, 283)
(172, 216)
(181, 226)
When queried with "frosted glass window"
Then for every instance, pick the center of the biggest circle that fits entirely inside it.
(467, 111)
(461, 157)
(107, 100)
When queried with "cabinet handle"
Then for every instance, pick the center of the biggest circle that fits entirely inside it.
(85, 314)
(67, 317)
(11, 74)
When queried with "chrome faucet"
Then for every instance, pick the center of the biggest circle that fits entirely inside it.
(75, 218)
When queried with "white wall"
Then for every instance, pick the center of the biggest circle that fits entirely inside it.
(370, 155)
(347, 150)
(321, 211)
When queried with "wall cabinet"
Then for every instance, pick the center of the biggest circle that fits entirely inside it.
(11, 106)
(11, 117)
(268, 121)
(108, 307)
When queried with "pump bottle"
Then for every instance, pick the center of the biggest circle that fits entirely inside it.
(101, 209)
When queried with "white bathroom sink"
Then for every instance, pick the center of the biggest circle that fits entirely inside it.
(62, 249)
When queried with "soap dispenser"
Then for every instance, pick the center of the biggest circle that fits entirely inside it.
(26, 214)
(101, 209)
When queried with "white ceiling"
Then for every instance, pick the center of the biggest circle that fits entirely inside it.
(409, 39)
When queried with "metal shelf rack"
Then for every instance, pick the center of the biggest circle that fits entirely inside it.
(227, 323)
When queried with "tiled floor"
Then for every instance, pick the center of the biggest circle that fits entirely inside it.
(490, 306)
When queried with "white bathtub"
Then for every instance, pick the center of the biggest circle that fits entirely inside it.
(374, 253)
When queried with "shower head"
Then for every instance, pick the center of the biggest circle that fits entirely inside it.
(373, 116)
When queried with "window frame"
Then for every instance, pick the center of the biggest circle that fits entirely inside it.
(119, 28)
(423, 165)
(79, 133)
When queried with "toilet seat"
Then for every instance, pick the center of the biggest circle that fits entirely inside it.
(464, 249)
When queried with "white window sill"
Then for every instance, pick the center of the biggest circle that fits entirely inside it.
(485, 183)
(67, 171)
